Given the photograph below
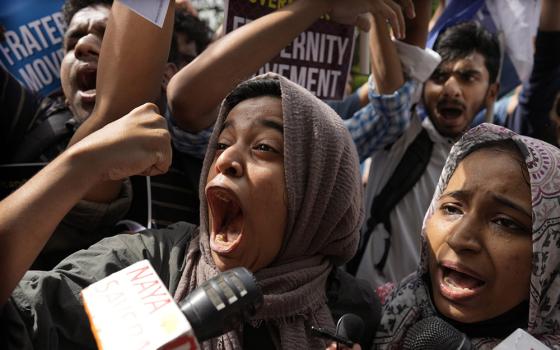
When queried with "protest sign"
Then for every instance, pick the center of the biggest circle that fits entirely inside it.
(32, 48)
(318, 59)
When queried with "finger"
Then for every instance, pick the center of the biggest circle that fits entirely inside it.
(149, 106)
(363, 23)
(389, 15)
(161, 166)
(399, 18)
(165, 162)
(410, 10)
(164, 154)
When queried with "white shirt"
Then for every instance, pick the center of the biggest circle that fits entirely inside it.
(407, 216)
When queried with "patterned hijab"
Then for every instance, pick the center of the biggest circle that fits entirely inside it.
(324, 215)
(411, 301)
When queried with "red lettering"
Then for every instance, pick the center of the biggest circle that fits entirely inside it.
(140, 273)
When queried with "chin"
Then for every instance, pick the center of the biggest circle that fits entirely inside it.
(464, 314)
(454, 313)
(223, 263)
(452, 132)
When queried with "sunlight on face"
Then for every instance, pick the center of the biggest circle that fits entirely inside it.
(245, 187)
(480, 238)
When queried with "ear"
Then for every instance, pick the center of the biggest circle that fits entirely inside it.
(492, 94)
(169, 71)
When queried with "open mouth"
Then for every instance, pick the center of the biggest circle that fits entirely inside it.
(457, 284)
(227, 219)
(87, 79)
(450, 111)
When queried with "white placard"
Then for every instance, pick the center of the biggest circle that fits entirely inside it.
(521, 340)
(152, 10)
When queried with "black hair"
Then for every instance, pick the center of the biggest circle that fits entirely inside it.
(465, 38)
(184, 22)
(70, 7)
(193, 27)
(251, 89)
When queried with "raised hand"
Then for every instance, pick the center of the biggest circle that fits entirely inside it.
(138, 143)
(355, 12)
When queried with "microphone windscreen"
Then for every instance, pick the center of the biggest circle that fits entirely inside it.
(433, 333)
(222, 302)
(351, 327)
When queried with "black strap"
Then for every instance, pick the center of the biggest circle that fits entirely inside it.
(406, 174)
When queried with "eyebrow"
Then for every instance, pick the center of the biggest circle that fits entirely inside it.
(511, 204)
(469, 71)
(272, 125)
(264, 122)
(463, 195)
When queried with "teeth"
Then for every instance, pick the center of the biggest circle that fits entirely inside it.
(220, 237)
(451, 284)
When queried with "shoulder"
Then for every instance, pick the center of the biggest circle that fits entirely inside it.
(159, 246)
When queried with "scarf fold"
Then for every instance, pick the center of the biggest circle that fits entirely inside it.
(323, 193)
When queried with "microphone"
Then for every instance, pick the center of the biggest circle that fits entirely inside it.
(351, 327)
(133, 309)
(349, 330)
(433, 333)
(221, 303)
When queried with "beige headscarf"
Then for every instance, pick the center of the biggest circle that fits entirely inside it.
(324, 216)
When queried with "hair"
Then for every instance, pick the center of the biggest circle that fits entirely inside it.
(193, 27)
(250, 89)
(463, 39)
(70, 7)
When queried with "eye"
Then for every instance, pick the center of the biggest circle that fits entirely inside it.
(439, 77)
(221, 146)
(71, 38)
(467, 77)
(449, 209)
(509, 224)
(69, 44)
(264, 148)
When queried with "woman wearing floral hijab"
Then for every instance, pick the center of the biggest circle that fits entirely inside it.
(490, 252)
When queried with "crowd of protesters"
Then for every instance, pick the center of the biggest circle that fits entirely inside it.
(162, 145)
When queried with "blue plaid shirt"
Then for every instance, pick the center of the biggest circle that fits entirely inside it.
(383, 120)
(373, 127)
(193, 144)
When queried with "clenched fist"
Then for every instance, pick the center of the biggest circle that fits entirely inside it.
(136, 144)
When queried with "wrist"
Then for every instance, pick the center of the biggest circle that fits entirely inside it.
(84, 163)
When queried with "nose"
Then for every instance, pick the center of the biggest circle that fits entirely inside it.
(229, 162)
(465, 236)
(451, 88)
(87, 46)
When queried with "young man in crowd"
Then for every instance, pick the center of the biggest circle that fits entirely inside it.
(403, 177)
(39, 135)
